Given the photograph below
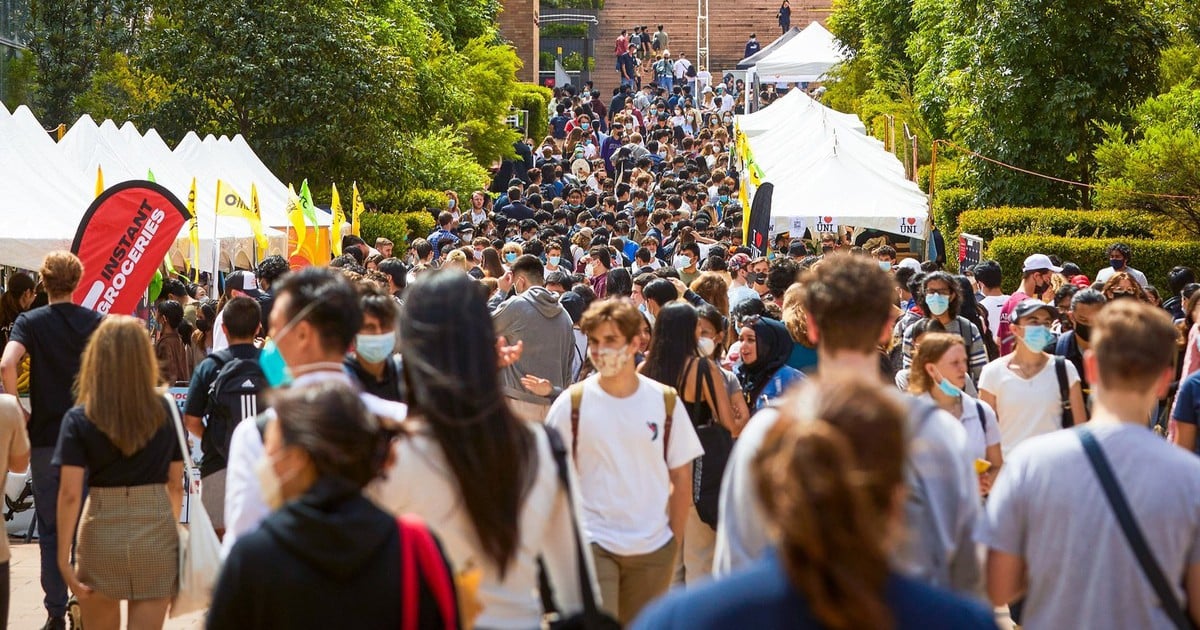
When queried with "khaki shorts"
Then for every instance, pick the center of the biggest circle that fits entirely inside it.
(212, 495)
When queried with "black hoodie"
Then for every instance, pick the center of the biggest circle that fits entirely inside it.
(330, 559)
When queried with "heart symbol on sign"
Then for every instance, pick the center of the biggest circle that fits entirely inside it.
(827, 219)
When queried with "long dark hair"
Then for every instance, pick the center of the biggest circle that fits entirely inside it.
(672, 344)
(10, 303)
(449, 348)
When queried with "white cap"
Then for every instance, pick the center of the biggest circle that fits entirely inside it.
(1039, 262)
(910, 263)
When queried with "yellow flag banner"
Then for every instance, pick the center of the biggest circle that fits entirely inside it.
(335, 228)
(230, 204)
(194, 230)
(356, 210)
(99, 181)
(263, 243)
(296, 218)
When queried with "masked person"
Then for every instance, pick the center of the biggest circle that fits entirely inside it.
(374, 362)
(633, 447)
(339, 556)
(313, 324)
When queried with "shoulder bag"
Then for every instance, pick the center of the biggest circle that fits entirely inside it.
(1133, 534)
(199, 548)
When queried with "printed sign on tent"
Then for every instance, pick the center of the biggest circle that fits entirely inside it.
(826, 225)
(910, 226)
(121, 240)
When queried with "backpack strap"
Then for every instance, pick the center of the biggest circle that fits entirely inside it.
(964, 331)
(982, 421)
(421, 560)
(1064, 391)
(1063, 344)
(669, 396)
(576, 398)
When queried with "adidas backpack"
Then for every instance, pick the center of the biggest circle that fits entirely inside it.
(235, 394)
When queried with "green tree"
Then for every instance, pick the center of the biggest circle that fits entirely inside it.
(1042, 74)
(1161, 156)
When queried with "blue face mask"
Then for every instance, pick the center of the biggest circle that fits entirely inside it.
(949, 389)
(274, 366)
(938, 304)
(1037, 337)
(553, 260)
(510, 257)
(1116, 263)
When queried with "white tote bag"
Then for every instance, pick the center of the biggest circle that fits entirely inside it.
(199, 548)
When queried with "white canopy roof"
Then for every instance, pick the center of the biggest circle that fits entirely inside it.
(826, 172)
(47, 187)
(805, 57)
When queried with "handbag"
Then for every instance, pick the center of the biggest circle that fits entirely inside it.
(199, 548)
(1133, 534)
(717, 441)
(591, 617)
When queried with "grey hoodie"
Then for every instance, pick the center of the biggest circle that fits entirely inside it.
(536, 318)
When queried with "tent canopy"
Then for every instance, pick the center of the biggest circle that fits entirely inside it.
(805, 57)
(762, 53)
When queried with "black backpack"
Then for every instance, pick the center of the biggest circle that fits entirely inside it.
(691, 71)
(235, 394)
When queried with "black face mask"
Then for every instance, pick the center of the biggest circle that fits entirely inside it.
(1083, 331)
(203, 325)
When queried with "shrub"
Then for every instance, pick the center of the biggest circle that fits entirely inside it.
(401, 229)
(1152, 257)
(536, 100)
(948, 204)
(560, 30)
(997, 222)
(948, 176)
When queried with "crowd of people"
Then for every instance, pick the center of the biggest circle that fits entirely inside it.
(603, 405)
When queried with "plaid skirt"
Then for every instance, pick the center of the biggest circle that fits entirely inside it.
(128, 544)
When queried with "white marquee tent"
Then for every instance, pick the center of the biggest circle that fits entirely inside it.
(47, 186)
(805, 57)
(826, 172)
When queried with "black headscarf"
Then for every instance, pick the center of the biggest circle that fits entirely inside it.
(774, 346)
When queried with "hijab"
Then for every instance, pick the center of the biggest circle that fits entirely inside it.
(773, 343)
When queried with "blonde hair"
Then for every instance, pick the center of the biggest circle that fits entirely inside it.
(117, 384)
(793, 315)
(932, 347)
(512, 247)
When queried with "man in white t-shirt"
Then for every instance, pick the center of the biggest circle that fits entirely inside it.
(1052, 535)
(987, 274)
(1023, 387)
(634, 461)
(1119, 256)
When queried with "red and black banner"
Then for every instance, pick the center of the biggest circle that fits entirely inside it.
(759, 220)
(121, 241)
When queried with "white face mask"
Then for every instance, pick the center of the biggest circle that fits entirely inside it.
(590, 270)
(681, 262)
(375, 348)
(269, 483)
(706, 346)
(610, 361)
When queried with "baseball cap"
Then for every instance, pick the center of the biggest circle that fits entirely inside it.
(797, 250)
(572, 303)
(909, 263)
(1039, 262)
(242, 281)
(1081, 281)
(739, 261)
(1030, 306)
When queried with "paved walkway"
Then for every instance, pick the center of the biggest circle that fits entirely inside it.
(25, 608)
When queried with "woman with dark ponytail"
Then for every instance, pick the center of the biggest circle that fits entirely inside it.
(830, 478)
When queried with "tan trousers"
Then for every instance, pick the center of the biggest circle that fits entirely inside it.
(629, 583)
(694, 565)
(527, 411)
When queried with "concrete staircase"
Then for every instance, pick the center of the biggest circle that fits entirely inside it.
(730, 24)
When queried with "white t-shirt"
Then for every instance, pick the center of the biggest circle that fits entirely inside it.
(1104, 274)
(993, 304)
(1025, 407)
(624, 483)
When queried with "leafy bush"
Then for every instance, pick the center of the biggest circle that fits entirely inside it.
(401, 229)
(1152, 257)
(948, 205)
(574, 62)
(998, 222)
(948, 176)
(535, 99)
(560, 30)
(546, 60)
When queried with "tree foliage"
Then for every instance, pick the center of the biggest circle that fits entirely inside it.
(403, 96)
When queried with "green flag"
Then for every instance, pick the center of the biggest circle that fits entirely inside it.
(150, 176)
(306, 204)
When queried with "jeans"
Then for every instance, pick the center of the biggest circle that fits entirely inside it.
(45, 506)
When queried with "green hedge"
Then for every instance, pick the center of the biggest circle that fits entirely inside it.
(536, 100)
(561, 30)
(948, 176)
(997, 222)
(401, 228)
(1154, 258)
(948, 205)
